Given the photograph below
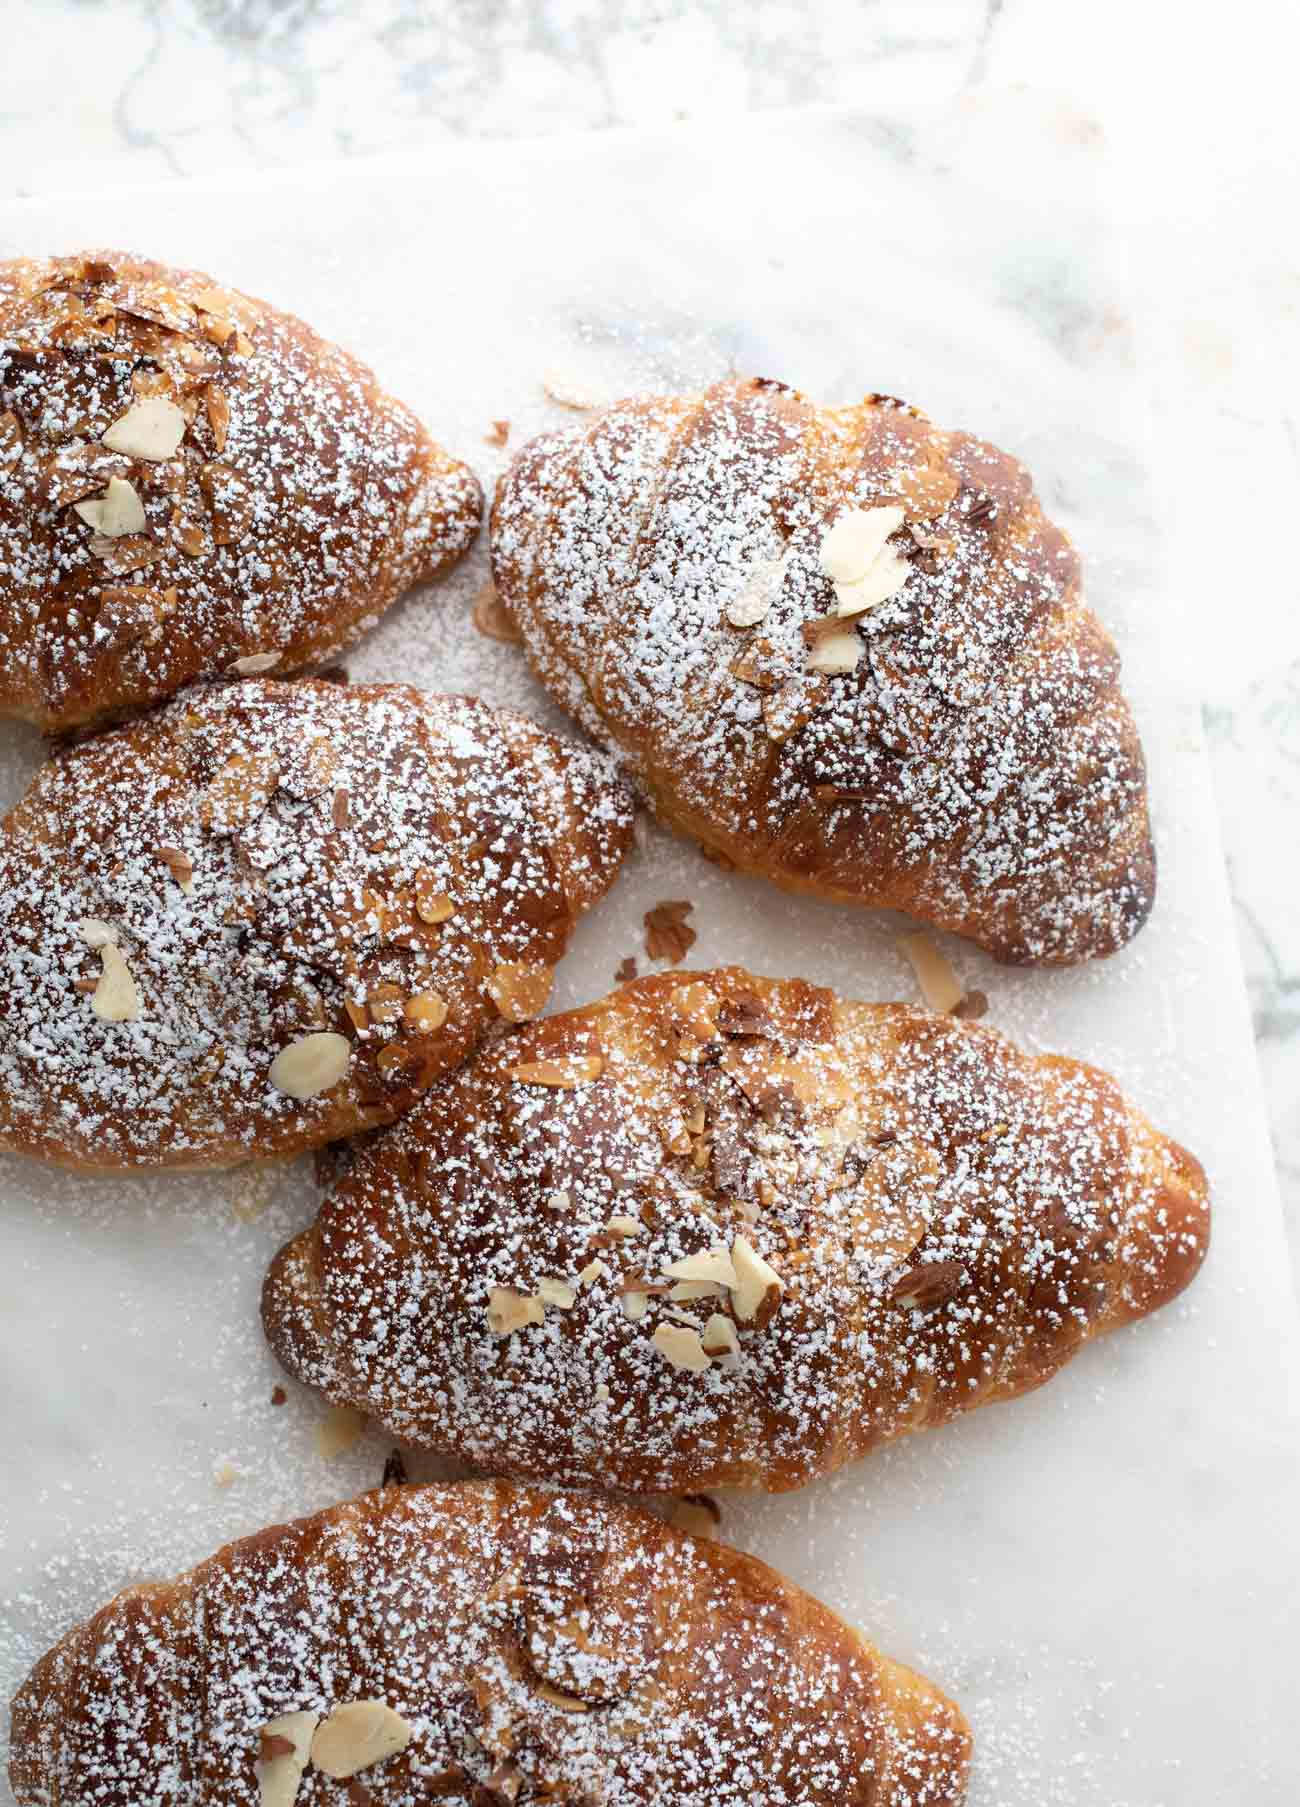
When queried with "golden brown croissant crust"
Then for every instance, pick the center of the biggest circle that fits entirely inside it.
(979, 768)
(539, 1647)
(271, 861)
(299, 503)
(946, 1221)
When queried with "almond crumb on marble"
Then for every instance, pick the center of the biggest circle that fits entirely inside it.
(499, 435)
(571, 391)
(668, 935)
(358, 1735)
(940, 987)
(508, 1311)
(312, 1064)
(681, 1347)
(227, 1474)
(493, 619)
(338, 1431)
(152, 429)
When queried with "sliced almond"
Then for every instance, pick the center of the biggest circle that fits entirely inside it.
(681, 1347)
(556, 1292)
(252, 664)
(573, 1070)
(338, 1430)
(758, 1288)
(635, 1306)
(713, 1265)
(426, 1011)
(719, 1337)
(218, 411)
(119, 510)
(836, 653)
(312, 1064)
(855, 541)
(592, 1272)
(885, 579)
(358, 1735)
(96, 933)
(567, 1703)
(152, 428)
(509, 1311)
(940, 986)
(694, 1289)
(116, 998)
(625, 1226)
(285, 1744)
(520, 989)
(431, 905)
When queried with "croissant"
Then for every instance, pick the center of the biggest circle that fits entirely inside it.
(718, 1230)
(484, 1643)
(841, 649)
(190, 482)
(269, 914)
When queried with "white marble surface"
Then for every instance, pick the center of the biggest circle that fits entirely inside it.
(1189, 130)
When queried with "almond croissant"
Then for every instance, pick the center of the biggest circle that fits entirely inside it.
(267, 915)
(192, 481)
(486, 1644)
(726, 1231)
(915, 710)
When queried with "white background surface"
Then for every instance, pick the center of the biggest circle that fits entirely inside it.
(1105, 1574)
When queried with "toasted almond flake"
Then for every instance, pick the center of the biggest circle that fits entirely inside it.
(431, 905)
(570, 391)
(180, 865)
(668, 935)
(218, 412)
(567, 1703)
(592, 1272)
(566, 1073)
(509, 1311)
(694, 1289)
(856, 540)
(385, 1002)
(312, 1064)
(635, 1306)
(356, 1736)
(720, 1337)
(493, 619)
(713, 1265)
(556, 1292)
(152, 428)
(697, 1514)
(96, 933)
(625, 1226)
(681, 1347)
(758, 1287)
(118, 511)
(212, 301)
(239, 791)
(750, 604)
(885, 579)
(338, 1430)
(836, 653)
(940, 986)
(284, 1746)
(520, 989)
(115, 998)
(426, 1011)
(254, 663)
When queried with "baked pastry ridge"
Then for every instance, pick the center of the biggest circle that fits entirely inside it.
(719, 1230)
(526, 1646)
(956, 746)
(267, 915)
(190, 478)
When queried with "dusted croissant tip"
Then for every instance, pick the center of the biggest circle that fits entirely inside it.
(923, 1734)
(1167, 1236)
